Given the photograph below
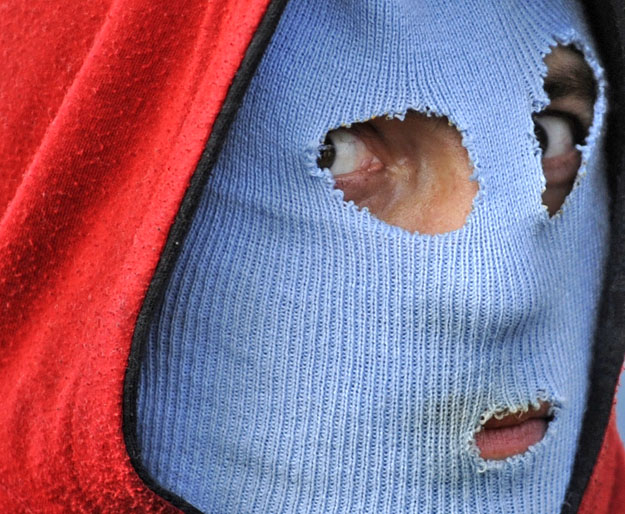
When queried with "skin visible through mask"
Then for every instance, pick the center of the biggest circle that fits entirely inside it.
(415, 173)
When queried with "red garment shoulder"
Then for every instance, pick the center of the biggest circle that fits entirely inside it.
(105, 110)
(605, 493)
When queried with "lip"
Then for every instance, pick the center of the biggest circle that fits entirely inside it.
(513, 434)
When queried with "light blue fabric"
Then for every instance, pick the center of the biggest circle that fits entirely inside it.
(311, 358)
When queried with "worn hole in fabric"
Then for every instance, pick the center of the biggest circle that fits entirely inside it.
(512, 434)
(562, 127)
(413, 173)
(509, 432)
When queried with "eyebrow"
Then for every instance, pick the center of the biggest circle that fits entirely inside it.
(571, 78)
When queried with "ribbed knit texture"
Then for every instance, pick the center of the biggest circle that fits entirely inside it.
(311, 358)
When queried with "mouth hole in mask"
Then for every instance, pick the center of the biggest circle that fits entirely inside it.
(563, 126)
(413, 173)
(506, 433)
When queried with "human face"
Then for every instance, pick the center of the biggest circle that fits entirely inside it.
(347, 364)
(415, 173)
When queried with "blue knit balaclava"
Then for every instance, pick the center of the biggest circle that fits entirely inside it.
(309, 357)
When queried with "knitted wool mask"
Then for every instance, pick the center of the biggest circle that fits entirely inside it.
(309, 357)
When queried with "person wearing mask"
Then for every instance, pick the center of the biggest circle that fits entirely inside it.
(388, 281)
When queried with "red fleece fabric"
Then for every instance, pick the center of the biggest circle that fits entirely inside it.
(105, 108)
(606, 491)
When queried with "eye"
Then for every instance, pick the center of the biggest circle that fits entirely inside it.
(343, 152)
(557, 133)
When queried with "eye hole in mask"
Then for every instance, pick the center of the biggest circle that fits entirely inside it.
(412, 173)
(564, 124)
(415, 173)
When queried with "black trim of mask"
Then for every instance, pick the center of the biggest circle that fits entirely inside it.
(607, 22)
(178, 232)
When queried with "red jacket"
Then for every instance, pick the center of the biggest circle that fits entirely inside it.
(108, 111)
